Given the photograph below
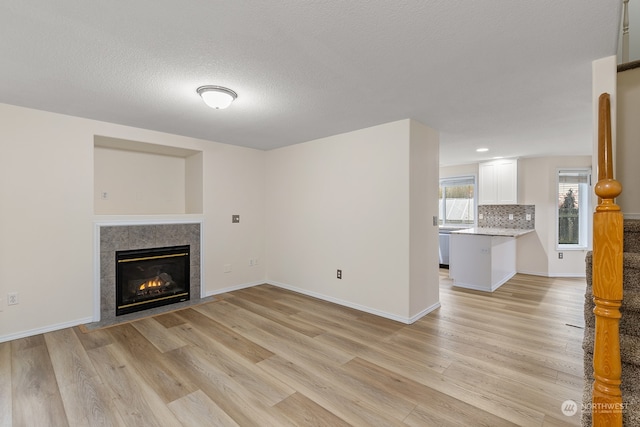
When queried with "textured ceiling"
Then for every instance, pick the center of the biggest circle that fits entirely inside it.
(514, 76)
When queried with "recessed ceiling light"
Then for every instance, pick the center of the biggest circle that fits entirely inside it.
(482, 150)
(217, 97)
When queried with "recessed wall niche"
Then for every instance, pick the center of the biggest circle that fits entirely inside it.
(139, 178)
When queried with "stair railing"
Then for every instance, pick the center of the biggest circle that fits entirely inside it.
(625, 32)
(607, 406)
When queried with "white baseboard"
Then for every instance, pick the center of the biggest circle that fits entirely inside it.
(234, 288)
(48, 328)
(423, 313)
(546, 274)
(406, 320)
(533, 273)
(569, 276)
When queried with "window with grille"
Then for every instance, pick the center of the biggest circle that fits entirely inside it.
(457, 201)
(574, 213)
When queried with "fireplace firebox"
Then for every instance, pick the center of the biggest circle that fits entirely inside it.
(147, 278)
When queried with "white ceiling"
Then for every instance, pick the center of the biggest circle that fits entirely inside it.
(513, 76)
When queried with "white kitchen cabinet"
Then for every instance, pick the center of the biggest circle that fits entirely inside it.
(498, 182)
(483, 263)
(483, 258)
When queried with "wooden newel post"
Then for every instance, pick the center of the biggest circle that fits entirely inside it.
(607, 404)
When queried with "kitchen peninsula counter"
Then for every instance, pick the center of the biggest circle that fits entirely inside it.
(483, 258)
(486, 231)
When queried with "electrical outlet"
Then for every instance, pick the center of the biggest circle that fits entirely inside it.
(339, 275)
(510, 217)
(12, 298)
(560, 255)
(227, 268)
(528, 217)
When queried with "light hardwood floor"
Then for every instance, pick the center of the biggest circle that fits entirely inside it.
(269, 357)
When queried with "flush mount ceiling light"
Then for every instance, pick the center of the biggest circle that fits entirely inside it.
(217, 97)
(482, 150)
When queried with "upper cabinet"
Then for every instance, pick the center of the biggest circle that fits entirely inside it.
(498, 182)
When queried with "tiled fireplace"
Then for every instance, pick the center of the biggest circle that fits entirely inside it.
(113, 238)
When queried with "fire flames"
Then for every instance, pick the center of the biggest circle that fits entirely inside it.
(156, 282)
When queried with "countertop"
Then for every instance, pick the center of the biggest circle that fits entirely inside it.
(486, 231)
(449, 229)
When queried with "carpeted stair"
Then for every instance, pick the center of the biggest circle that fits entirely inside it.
(629, 329)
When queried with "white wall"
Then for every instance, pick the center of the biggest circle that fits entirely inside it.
(459, 170)
(193, 183)
(628, 148)
(46, 191)
(234, 184)
(46, 215)
(344, 202)
(604, 80)
(424, 292)
(537, 253)
(138, 183)
(349, 202)
(361, 202)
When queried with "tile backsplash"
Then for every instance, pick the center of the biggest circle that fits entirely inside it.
(498, 216)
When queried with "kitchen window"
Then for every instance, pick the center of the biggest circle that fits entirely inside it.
(573, 219)
(457, 201)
